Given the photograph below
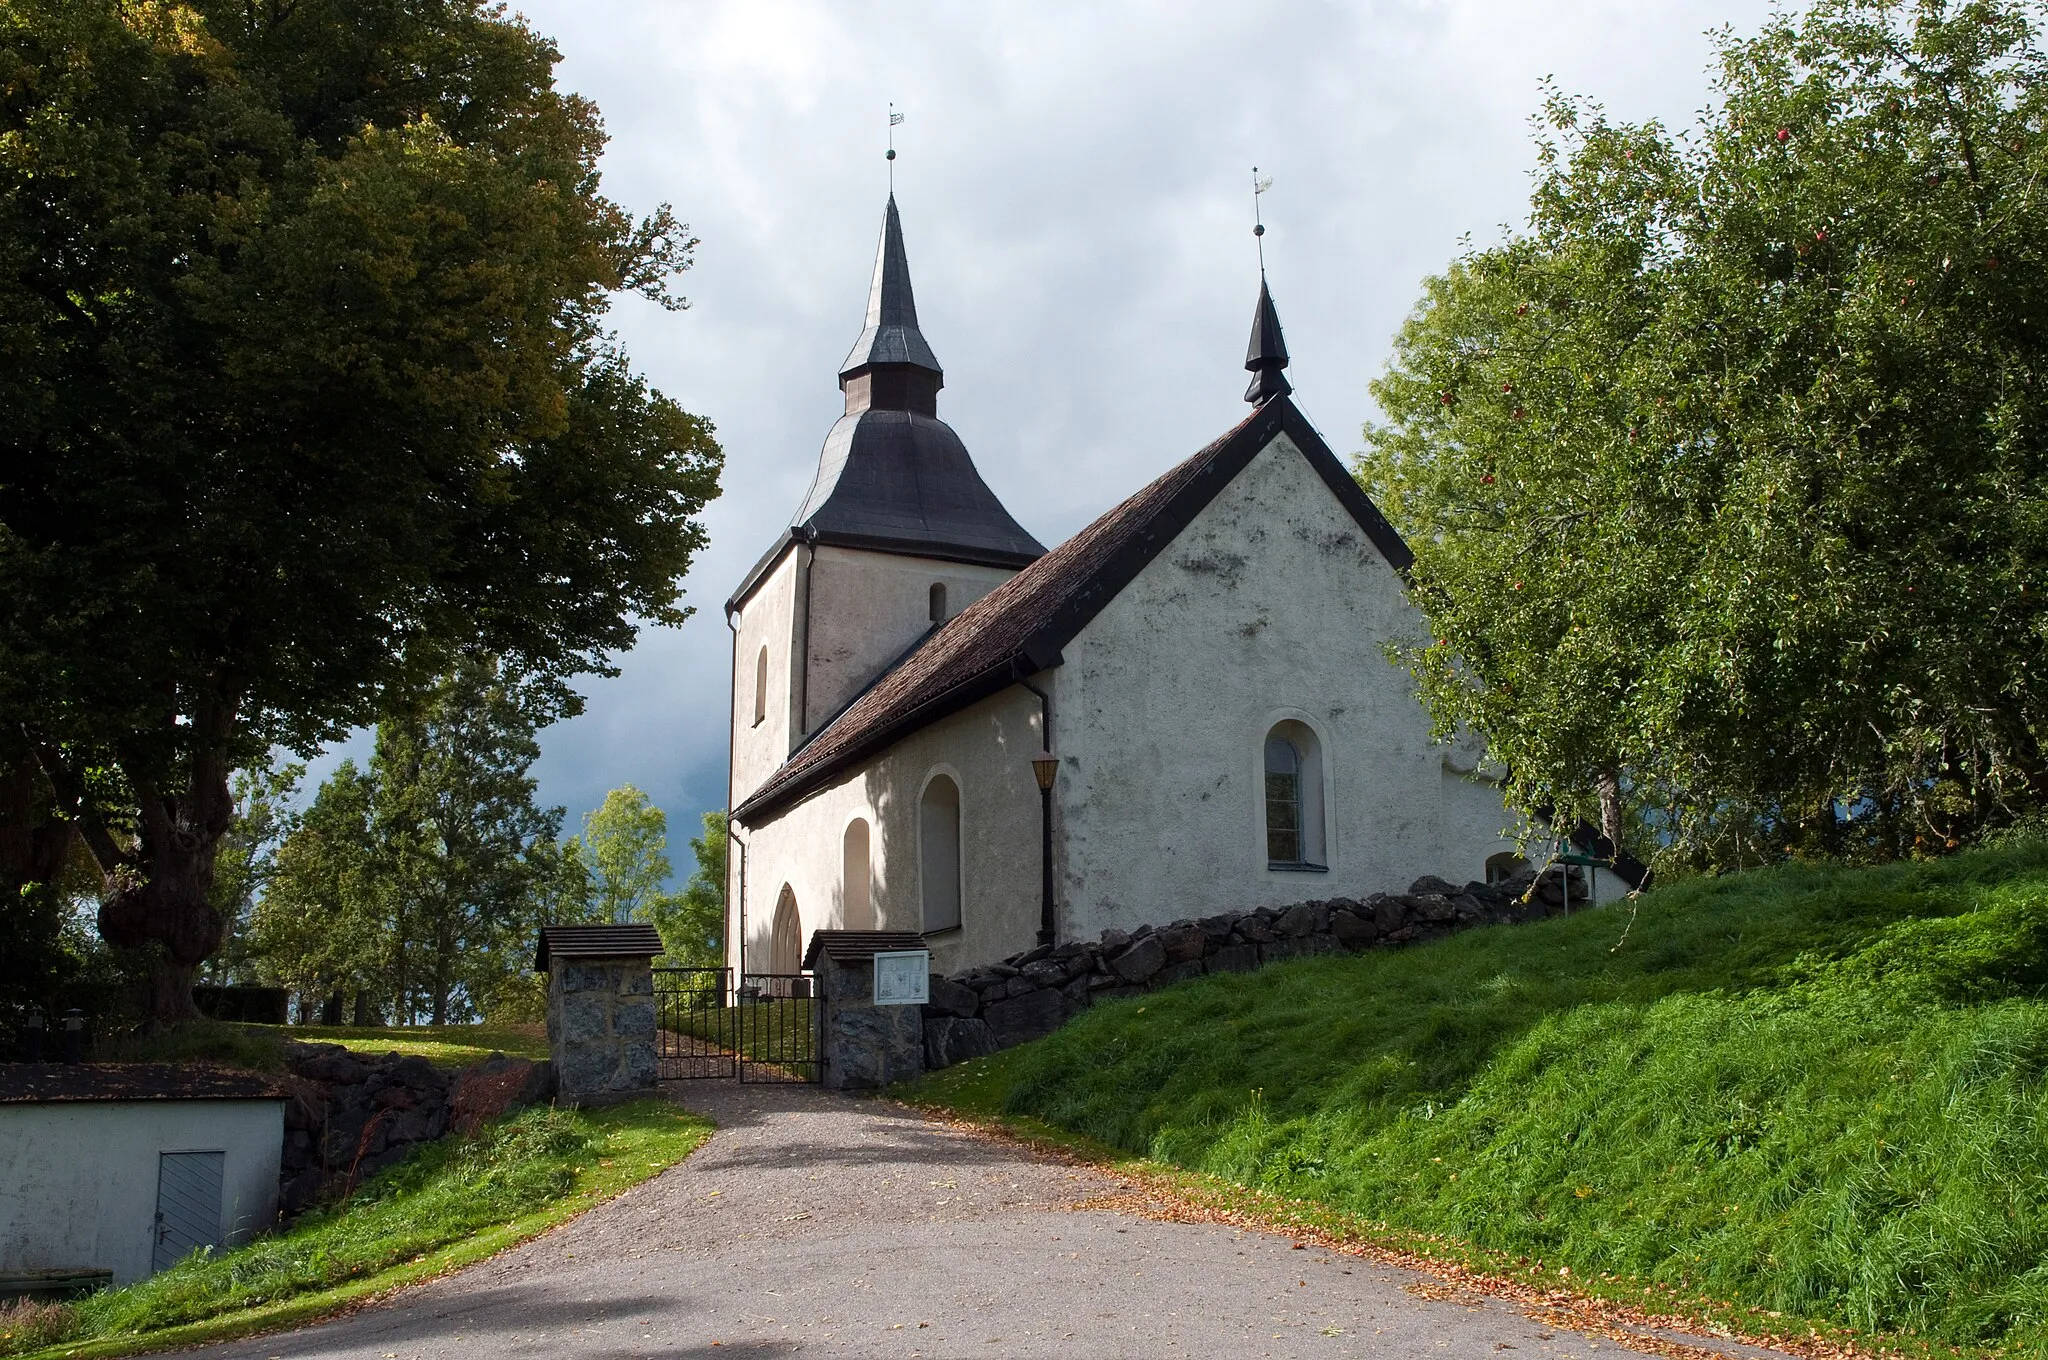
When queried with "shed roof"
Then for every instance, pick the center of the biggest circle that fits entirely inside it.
(858, 946)
(596, 942)
(1018, 629)
(49, 1083)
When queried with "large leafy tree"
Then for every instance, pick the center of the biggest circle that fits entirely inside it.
(1728, 478)
(306, 385)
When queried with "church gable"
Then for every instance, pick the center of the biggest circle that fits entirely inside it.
(1264, 616)
(1019, 628)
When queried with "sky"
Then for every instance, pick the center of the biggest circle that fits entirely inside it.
(1075, 186)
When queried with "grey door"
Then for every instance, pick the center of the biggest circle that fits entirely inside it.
(187, 1204)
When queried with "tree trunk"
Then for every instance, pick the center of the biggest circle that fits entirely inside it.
(158, 893)
(1609, 786)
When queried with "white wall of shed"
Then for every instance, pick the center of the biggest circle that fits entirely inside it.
(78, 1179)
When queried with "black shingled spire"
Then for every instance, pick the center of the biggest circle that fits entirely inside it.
(1266, 355)
(892, 476)
(907, 373)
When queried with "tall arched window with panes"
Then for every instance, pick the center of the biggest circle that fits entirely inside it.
(1292, 806)
(761, 687)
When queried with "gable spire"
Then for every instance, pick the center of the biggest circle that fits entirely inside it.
(1266, 355)
(891, 339)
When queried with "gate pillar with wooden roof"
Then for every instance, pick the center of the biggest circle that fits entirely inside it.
(871, 1030)
(601, 1021)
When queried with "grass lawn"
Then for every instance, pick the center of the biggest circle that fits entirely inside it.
(257, 1046)
(1811, 1091)
(442, 1045)
(453, 1203)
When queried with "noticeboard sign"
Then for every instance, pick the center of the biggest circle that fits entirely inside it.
(903, 977)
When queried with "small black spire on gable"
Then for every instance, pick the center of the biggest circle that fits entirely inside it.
(1266, 355)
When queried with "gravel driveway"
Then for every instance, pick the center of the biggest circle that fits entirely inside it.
(815, 1224)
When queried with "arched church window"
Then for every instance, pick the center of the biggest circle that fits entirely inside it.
(761, 687)
(1504, 866)
(856, 899)
(938, 840)
(938, 602)
(786, 937)
(1294, 797)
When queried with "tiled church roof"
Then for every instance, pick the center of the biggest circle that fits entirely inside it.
(1018, 629)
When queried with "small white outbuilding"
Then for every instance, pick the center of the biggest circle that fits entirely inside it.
(129, 1168)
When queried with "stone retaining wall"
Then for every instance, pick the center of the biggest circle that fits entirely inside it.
(1032, 994)
(351, 1115)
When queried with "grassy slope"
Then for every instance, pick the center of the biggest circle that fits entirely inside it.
(1819, 1091)
(442, 1045)
(258, 1046)
(453, 1204)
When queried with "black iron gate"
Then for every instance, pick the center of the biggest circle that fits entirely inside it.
(765, 1029)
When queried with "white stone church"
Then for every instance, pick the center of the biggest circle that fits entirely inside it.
(1203, 665)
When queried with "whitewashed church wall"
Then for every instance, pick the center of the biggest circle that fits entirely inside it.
(987, 751)
(1476, 826)
(867, 608)
(765, 620)
(1272, 603)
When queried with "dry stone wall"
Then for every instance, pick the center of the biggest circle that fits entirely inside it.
(351, 1115)
(1032, 994)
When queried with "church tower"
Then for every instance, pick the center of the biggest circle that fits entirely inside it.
(898, 534)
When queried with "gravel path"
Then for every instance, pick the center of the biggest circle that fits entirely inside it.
(818, 1225)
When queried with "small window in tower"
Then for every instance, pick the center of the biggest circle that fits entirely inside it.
(761, 688)
(938, 602)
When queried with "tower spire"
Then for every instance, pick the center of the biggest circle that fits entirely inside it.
(891, 352)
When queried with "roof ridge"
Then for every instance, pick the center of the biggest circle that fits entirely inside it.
(1018, 629)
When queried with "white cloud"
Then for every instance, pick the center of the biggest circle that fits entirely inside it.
(1074, 181)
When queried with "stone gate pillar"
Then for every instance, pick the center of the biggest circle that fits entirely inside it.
(868, 1036)
(601, 1020)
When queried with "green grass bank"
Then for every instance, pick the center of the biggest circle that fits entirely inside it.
(262, 1046)
(1820, 1091)
(452, 1203)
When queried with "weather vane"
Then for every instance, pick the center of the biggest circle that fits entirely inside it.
(894, 119)
(1259, 187)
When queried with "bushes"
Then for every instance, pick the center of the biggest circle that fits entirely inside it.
(1817, 1091)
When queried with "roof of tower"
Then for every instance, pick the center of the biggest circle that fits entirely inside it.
(892, 336)
(1266, 355)
(892, 476)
